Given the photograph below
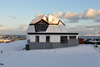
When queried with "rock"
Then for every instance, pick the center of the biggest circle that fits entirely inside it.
(1, 64)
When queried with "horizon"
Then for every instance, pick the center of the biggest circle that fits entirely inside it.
(81, 16)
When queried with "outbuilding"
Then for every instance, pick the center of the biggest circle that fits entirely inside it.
(47, 31)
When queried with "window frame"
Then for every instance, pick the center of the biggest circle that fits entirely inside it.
(72, 37)
(36, 38)
(48, 39)
(63, 39)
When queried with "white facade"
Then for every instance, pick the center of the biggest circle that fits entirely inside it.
(53, 38)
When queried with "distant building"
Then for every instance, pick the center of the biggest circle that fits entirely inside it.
(81, 40)
(92, 41)
(47, 31)
(4, 41)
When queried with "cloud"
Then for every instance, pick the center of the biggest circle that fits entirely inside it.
(18, 30)
(85, 30)
(74, 17)
(2, 27)
(37, 15)
(97, 31)
(91, 13)
(13, 17)
(70, 15)
(58, 14)
(97, 20)
(94, 26)
(21, 28)
(12, 32)
(73, 21)
(92, 35)
(23, 24)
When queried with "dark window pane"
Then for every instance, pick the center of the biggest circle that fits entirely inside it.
(47, 38)
(37, 38)
(72, 37)
(41, 26)
(63, 39)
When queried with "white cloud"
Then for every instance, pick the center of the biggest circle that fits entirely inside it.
(58, 14)
(85, 30)
(97, 31)
(92, 35)
(12, 32)
(13, 17)
(37, 15)
(15, 31)
(97, 20)
(91, 13)
(21, 29)
(70, 15)
(23, 24)
(2, 27)
(73, 21)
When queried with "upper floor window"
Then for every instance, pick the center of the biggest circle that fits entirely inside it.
(41, 26)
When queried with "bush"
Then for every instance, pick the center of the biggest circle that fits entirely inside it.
(27, 47)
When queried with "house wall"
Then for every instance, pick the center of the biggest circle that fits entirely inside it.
(42, 38)
(73, 42)
(31, 29)
(53, 38)
(39, 45)
(42, 45)
(32, 38)
(54, 42)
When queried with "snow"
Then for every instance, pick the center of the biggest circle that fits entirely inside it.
(13, 46)
(77, 56)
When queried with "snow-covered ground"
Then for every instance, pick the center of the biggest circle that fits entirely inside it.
(78, 56)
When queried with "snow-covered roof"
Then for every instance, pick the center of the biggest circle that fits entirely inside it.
(48, 18)
(46, 23)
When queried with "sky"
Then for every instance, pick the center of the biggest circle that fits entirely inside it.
(81, 16)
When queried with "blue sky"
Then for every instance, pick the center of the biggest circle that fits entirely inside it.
(17, 14)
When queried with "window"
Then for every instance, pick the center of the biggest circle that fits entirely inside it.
(37, 38)
(28, 41)
(72, 37)
(63, 39)
(41, 26)
(47, 38)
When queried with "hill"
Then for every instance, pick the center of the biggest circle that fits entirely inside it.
(79, 56)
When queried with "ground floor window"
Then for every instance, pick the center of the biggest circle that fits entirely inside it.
(47, 38)
(72, 37)
(37, 38)
(63, 39)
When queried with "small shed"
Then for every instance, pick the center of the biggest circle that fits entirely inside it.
(81, 40)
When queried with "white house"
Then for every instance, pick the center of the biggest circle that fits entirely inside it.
(47, 31)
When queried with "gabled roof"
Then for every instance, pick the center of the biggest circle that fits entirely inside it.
(48, 18)
(37, 19)
(46, 23)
